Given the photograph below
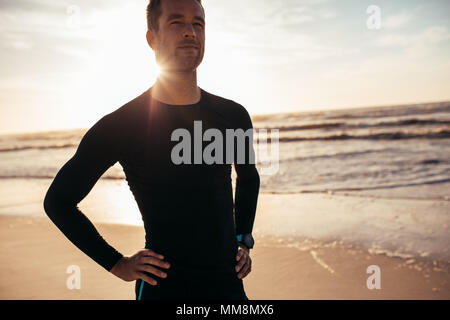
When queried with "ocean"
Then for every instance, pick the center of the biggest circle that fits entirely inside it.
(383, 151)
(390, 152)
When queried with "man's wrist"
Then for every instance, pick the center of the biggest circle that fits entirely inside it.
(246, 239)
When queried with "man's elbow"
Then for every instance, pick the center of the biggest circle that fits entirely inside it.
(52, 203)
(49, 203)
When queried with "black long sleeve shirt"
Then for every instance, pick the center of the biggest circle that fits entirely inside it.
(187, 209)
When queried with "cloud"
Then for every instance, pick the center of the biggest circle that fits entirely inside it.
(429, 36)
(397, 20)
(46, 6)
(20, 45)
(49, 6)
(274, 34)
(299, 13)
(35, 39)
(50, 20)
(403, 18)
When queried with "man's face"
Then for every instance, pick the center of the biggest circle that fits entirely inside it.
(180, 40)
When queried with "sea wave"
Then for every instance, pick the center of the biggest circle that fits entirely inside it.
(390, 111)
(36, 147)
(52, 176)
(338, 155)
(331, 189)
(343, 125)
(396, 135)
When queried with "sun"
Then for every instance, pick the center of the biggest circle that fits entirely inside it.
(119, 62)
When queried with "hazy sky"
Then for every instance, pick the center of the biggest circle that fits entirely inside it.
(64, 64)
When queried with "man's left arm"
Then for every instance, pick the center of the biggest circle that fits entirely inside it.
(246, 194)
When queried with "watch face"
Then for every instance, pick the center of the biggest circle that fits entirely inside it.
(248, 240)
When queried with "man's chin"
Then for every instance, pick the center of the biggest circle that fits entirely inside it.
(185, 67)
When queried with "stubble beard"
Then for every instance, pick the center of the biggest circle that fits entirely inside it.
(184, 62)
(180, 61)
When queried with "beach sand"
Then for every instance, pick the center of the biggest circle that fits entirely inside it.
(35, 256)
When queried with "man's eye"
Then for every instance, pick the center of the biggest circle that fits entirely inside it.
(175, 22)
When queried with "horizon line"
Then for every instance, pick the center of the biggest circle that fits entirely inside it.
(320, 109)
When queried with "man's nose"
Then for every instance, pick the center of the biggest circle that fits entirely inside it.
(189, 31)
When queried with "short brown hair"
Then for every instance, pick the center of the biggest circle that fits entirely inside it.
(154, 12)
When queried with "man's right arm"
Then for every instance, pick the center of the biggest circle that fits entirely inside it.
(96, 152)
(99, 149)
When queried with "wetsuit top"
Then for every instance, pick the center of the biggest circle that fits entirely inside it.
(187, 209)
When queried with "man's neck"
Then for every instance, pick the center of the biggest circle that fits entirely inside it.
(176, 88)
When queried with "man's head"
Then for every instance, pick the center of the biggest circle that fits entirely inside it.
(173, 26)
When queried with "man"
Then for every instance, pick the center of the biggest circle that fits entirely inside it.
(195, 248)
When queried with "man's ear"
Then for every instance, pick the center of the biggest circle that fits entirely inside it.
(150, 38)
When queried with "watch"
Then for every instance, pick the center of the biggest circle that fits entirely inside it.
(246, 239)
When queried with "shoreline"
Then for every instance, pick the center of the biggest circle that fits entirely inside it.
(296, 242)
(409, 228)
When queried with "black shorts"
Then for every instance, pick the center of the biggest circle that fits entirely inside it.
(192, 285)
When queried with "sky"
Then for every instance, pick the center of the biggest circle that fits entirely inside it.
(65, 64)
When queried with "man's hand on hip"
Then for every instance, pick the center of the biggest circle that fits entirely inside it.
(244, 265)
(134, 267)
